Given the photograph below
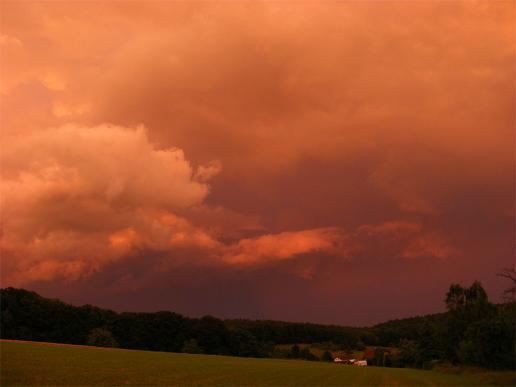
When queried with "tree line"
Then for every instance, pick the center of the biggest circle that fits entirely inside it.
(472, 332)
(27, 316)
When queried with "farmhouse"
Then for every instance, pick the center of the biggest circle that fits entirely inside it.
(350, 361)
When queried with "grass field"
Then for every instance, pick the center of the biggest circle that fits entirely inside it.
(42, 364)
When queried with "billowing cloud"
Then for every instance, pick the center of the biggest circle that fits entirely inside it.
(285, 245)
(75, 196)
(113, 162)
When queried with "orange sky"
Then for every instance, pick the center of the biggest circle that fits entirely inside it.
(334, 162)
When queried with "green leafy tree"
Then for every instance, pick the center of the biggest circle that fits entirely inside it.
(295, 352)
(468, 308)
(243, 343)
(379, 357)
(191, 346)
(408, 354)
(428, 343)
(490, 341)
(101, 337)
(327, 356)
(306, 354)
(213, 336)
(455, 298)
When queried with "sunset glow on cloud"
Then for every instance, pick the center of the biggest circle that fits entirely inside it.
(257, 159)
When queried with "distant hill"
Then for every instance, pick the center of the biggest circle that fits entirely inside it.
(28, 316)
(25, 315)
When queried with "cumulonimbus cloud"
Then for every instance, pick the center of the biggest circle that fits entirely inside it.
(75, 197)
(113, 162)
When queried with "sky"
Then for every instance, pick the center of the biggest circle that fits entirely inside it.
(330, 162)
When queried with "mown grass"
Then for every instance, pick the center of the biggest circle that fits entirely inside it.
(42, 365)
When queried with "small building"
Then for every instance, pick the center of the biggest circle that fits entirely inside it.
(344, 361)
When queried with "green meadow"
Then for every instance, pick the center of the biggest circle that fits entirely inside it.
(24, 363)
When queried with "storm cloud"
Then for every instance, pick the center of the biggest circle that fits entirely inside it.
(257, 159)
